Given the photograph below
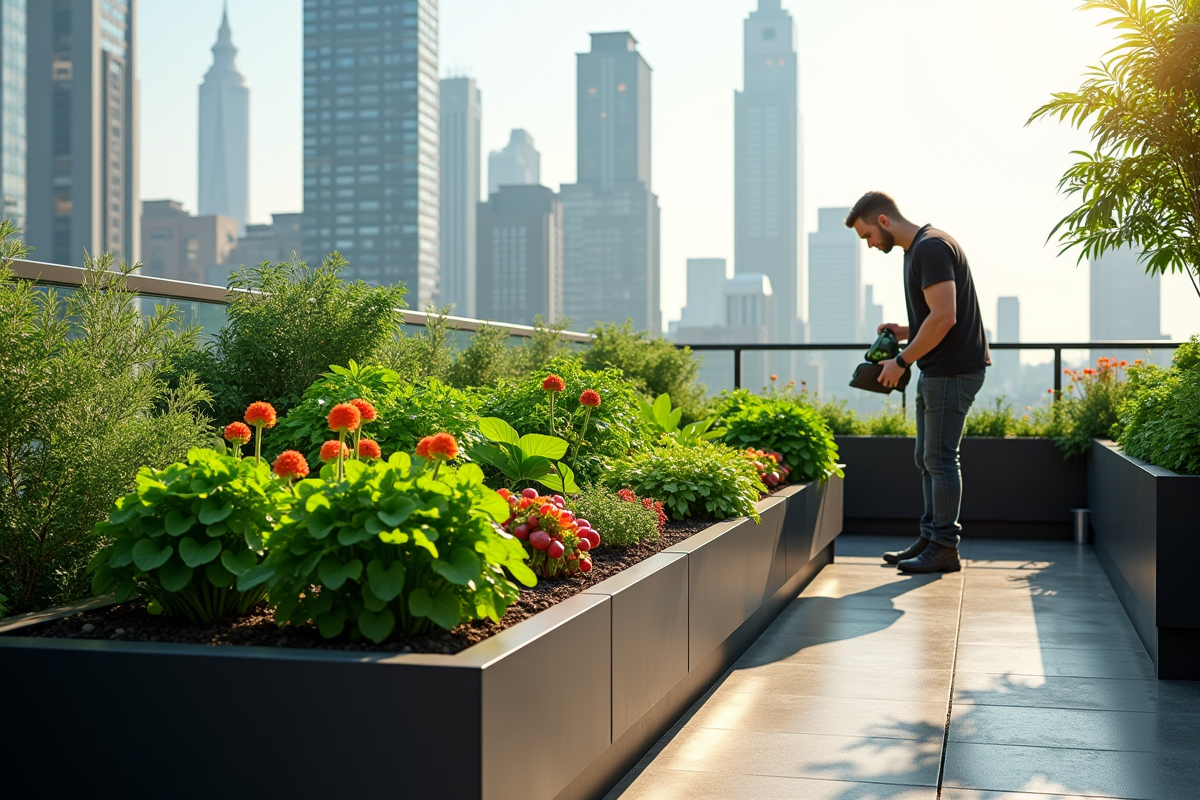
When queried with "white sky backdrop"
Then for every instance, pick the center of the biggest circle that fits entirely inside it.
(926, 99)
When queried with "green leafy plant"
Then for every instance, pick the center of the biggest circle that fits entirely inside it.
(187, 532)
(1089, 404)
(391, 547)
(485, 361)
(614, 428)
(1140, 105)
(523, 460)
(707, 480)
(286, 324)
(655, 365)
(625, 520)
(793, 429)
(661, 419)
(557, 541)
(842, 421)
(889, 421)
(1000, 420)
(1157, 419)
(84, 401)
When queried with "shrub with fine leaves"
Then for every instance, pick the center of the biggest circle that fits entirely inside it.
(703, 480)
(797, 431)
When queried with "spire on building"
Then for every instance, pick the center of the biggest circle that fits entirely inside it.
(224, 178)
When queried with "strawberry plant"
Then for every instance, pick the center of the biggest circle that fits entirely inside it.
(771, 469)
(558, 542)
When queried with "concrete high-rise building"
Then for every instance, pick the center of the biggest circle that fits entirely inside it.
(1006, 364)
(518, 164)
(182, 247)
(1125, 301)
(521, 255)
(610, 215)
(81, 118)
(276, 242)
(872, 315)
(1008, 319)
(371, 140)
(835, 291)
(460, 166)
(705, 279)
(12, 110)
(747, 306)
(224, 164)
(767, 201)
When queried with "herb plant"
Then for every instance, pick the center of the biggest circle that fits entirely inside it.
(705, 480)
(661, 419)
(187, 532)
(795, 430)
(653, 364)
(1158, 420)
(532, 458)
(625, 520)
(1089, 404)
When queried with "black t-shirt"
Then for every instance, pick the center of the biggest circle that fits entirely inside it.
(935, 257)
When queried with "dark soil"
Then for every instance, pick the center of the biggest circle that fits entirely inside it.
(129, 621)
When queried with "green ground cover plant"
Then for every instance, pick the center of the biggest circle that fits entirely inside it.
(704, 480)
(85, 401)
(624, 520)
(1088, 406)
(1159, 417)
(793, 429)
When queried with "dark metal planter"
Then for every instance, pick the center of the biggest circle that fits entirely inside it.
(558, 706)
(1012, 488)
(1146, 533)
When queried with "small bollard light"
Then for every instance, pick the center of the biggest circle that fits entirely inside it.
(1082, 519)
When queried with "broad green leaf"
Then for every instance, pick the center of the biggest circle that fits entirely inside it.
(422, 539)
(122, 551)
(331, 623)
(125, 589)
(237, 563)
(536, 444)
(194, 554)
(348, 536)
(178, 524)
(492, 504)
(320, 524)
(662, 411)
(219, 576)
(125, 509)
(377, 627)
(469, 474)
(254, 576)
(147, 555)
(174, 575)
(102, 579)
(497, 430)
(521, 572)
(370, 601)
(401, 509)
(551, 480)
(532, 468)
(309, 564)
(212, 512)
(443, 608)
(314, 501)
(461, 568)
(387, 583)
(334, 573)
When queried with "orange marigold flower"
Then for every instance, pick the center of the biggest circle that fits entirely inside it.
(1124, 363)
(261, 413)
(553, 383)
(368, 448)
(329, 450)
(1137, 361)
(290, 464)
(365, 409)
(237, 432)
(344, 417)
(774, 377)
(440, 445)
(590, 397)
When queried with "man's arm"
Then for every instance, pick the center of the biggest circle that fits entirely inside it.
(901, 332)
(942, 298)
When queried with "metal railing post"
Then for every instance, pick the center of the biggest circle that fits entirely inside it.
(1058, 373)
(737, 368)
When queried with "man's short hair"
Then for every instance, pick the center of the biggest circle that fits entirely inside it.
(870, 206)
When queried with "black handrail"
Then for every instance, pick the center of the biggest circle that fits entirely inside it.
(1057, 347)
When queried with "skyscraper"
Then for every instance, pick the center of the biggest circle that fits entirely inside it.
(82, 123)
(767, 203)
(371, 140)
(521, 255)
(460, 152)
(610, 215)
(12, 109)
(518, 164)
(1125, 301)
(705, 279)
(1008, 319)
(224, 178)
(835, 312)
(872, 315)
(181, 247)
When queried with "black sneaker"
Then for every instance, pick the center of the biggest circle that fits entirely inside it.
(915, 549)
(935, 558)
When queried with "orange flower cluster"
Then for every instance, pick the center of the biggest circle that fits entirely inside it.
(440, 446)
(290, 464)
(590, 397)
(365, 409)
(332, 449)
(344, 418)
(237, 433)
(261, 413)
(553, 383)
(369, 449)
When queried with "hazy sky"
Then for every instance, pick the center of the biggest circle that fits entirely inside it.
(926, 99)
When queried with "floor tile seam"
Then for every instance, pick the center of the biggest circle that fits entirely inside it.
(1044, 675)
(809, 695)
(1075, 708)
(796, 777)
(1036, 793)
(776, 731)
(1133, 650)
(1085, 648)
(953, 672)
(1069, 748)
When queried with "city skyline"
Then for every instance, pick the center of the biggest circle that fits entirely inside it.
(696, 51)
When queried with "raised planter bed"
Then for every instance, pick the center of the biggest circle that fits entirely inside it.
(1146, 531)
(558, 706)
(1012, 488)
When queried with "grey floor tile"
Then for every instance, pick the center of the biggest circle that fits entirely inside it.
(975, 794)
(832, 716)
(1037, 691)
(863, 652)
(1049, 661)
(861, 546)
(796, 755)
(908, 626)
(1004, 623)
(1073, 640)
(816, 680)
(1132, 731)
(1091, 773)
(666, 784)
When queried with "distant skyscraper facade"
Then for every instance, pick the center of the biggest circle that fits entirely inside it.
(518, 164)
(747, 305)
(81, 120)
(1125, 301)
(181, 247)
(12, 109)
(610, 215)
(1008, 319)
(835, 311)
(276, 242)
(705, 279)
(224, 178)
(460, 167)
(872, 315)
(767, 203)
(521, 255)
(371, 140)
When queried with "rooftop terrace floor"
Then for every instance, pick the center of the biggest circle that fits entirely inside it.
(1018, 677)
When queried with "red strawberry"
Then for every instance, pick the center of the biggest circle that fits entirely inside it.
(585, 565)
(556, 549)
(539, 540)
(521, 531)
(529, 493)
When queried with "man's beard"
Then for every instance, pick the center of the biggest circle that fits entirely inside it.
(889, 241)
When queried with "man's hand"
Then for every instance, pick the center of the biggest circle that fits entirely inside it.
(892, 373)
(900, 331)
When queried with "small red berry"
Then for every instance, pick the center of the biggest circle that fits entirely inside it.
(585, 565)
(556, 549)
(539, 540)
(584, 543)
(521, 532)
(529, 493)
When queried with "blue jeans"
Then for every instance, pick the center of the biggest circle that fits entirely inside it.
(942, 406)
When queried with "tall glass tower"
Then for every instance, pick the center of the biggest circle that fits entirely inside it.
(462, 120)
(371, 139)
(12, 109)
(767, 202)
(224, 178)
